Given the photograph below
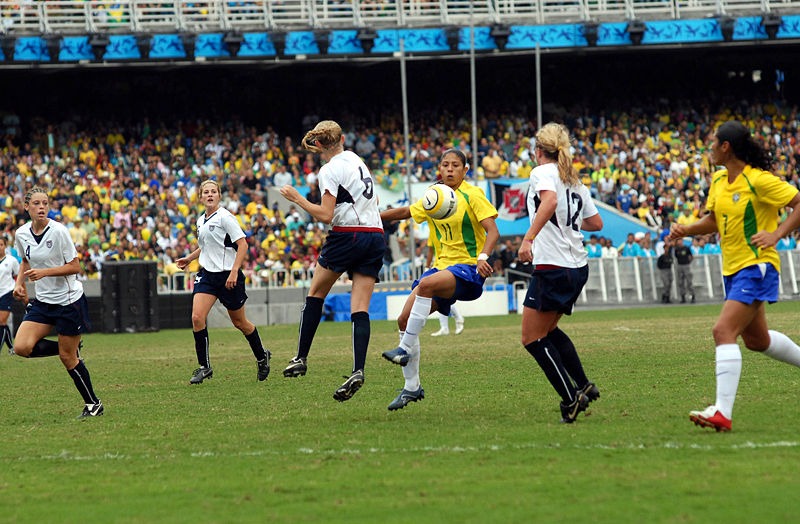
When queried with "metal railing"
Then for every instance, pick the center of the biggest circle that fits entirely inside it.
(125, 16)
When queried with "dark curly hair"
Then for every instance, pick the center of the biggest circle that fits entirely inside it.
(744, 147)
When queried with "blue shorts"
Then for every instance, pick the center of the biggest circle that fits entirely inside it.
(213, 283)
(69, 320)
(469, 286)
(6, 301)
(556, 289)
(353, 251)
(756, 282)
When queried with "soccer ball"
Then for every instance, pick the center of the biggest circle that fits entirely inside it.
(440, 202)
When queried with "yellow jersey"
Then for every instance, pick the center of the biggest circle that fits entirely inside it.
(748, 205)
(460, 238)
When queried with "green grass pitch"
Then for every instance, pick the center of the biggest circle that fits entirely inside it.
(484, 445)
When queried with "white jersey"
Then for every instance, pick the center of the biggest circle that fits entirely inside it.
(347, 178)
(560, 242)
(217, 236)
(53, 248)
(9, 267)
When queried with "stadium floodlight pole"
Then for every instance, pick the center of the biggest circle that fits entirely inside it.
(473, 94)
(538, 86)
(412, 243)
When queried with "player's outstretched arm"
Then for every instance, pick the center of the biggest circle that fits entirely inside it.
(397, 213)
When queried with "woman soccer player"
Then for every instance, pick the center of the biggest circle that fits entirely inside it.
(466, 239)
(50, 260)
(559, 206)
(743, 204)
(9, 269)
(355, 244)
(221, 249)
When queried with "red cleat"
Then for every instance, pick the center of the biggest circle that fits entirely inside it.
(710, 418)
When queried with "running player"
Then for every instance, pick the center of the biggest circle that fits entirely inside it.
(221, 250)
(9, 269)
(466, 238)
(50, 260)
(355, 244)
(559, 206)
(743, 205)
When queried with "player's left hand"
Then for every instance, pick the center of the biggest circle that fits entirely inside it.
(230, 283)
(35, 274)
(764, 239)
(484, 269)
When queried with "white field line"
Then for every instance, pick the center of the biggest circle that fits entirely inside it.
(66, 455)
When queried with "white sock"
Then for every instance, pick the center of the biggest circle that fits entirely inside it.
(416, 321)
(729, 369)
(411, 370)
(458, 316)
(783, 349)
(443, 321)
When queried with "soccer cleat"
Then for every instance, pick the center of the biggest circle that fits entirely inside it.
(459, 327)
(710, 417)
(569, 412)
(200, 374)
(92, 410)
(263, 367)
(350, 386)
(441, 332)
(591, 392)
(297, 367)
(405, 397)
(397, 356)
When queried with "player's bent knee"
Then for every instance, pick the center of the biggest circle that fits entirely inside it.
(22, 349)
(755, 343)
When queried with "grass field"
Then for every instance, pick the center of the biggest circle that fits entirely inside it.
(484, 445)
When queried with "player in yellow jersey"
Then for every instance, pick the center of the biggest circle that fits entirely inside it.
(465, 242)
(743, 205)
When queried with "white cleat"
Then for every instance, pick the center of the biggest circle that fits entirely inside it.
(459, 327)
(441, 332)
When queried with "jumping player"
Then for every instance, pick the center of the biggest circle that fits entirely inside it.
(355, 244)
(221, 249)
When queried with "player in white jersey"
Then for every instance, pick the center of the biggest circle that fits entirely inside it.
(559, 206)
(355, 244)
(9, 269)
(50, 260)
(221, 248)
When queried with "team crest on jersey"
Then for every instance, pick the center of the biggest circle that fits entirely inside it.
(49, 244)
(211, 228)
(736, 197)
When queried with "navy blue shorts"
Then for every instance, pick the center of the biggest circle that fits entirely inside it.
(758, 282)
(353, 251)
(6, 301)
(469, 286)
(69, 320)
(213, 283)
(556, 289)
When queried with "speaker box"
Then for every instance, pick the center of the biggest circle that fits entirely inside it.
(130, 301)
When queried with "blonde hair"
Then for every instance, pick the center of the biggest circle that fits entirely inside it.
(329, 134)
(211, 181)
(32, 191)
(553, 140)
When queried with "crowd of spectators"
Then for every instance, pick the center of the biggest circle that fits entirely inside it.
(129, 191)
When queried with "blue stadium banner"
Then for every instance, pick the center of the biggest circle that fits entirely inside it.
(256, 44)
(682, 31)
(75, 48)
(167, 46)
(613, 34)
(210, 45)
(564, 35)
(483, 39)
(344, 42)
(31, 49)
(415, 40)
(301, 43)
(122, 47)
(790, 28)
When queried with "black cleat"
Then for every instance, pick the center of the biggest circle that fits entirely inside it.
(350, 386)
(92, 410)
(569, 412)
(591, 392)
(405, 397)
(263, 367)
(297, 367)
(200, 374)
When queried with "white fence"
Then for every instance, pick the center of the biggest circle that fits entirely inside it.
(125, 16)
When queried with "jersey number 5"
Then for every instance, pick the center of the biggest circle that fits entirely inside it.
(367, 183)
